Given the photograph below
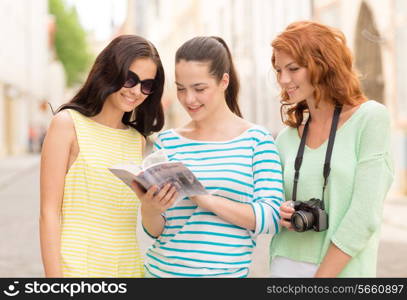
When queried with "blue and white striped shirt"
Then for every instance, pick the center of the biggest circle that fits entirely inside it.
(196, 242)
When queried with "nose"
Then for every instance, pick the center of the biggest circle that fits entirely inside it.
(284, 77)
(189, 98)
(136, 90)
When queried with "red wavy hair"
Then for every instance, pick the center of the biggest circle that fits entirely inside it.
(323, 51)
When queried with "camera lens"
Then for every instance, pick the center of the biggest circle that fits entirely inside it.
(302, 220)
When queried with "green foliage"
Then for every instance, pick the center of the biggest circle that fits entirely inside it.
(70, 41)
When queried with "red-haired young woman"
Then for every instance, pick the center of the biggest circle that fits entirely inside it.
(344, 160)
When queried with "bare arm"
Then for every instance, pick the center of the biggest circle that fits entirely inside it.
(54, 165)
(239, 214)
(334, 262)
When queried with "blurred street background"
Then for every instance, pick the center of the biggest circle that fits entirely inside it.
(48, 46)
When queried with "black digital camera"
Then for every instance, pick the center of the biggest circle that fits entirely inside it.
(309, 215)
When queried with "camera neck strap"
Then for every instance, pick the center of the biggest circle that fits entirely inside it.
(328, 155)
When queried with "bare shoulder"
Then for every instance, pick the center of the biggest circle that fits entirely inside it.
(62, 118)
(59, 140)
(62, 121)
(62, 126)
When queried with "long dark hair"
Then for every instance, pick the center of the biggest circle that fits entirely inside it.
(108, 75)
(214, 50)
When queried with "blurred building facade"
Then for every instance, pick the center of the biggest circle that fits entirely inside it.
(30, 76)
(247, 27)
(376, 31)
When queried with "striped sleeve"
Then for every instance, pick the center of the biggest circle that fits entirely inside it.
(157, 145)
(268, 186)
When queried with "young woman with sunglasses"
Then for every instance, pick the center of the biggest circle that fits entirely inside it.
(88, 216)
(236, 161)
(319, 86)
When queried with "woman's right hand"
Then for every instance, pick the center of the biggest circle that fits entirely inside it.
(286, 211)
(154, 203)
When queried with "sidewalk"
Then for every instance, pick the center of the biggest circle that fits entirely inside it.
(12, 167)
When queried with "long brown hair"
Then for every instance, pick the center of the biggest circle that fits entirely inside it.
(214, 50)
(108, 75)
(323, 51)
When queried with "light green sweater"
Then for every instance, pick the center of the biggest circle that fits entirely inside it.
(361, 175)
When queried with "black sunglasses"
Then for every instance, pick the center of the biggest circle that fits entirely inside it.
(147, 86)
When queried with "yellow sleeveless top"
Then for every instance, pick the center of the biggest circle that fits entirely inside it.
(99, 212)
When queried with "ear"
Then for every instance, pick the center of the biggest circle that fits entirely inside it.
(224, 81)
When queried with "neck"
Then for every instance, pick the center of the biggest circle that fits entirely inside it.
(110, 116)
(321, 114)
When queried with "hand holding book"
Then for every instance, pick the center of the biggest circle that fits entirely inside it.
(153, 200)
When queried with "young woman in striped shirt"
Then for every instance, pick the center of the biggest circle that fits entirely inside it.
(237, 162)
(88, 216)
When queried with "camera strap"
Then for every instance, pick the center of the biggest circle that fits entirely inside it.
(328, 155)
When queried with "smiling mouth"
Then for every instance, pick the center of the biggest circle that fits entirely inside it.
(129, 100)
(291, 90)
(195, 108)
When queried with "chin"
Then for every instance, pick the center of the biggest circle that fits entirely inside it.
(125, 109)
(295, 100)
(197, 118)
(129, 108)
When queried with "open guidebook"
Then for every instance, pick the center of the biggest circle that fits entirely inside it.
(156, 169)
